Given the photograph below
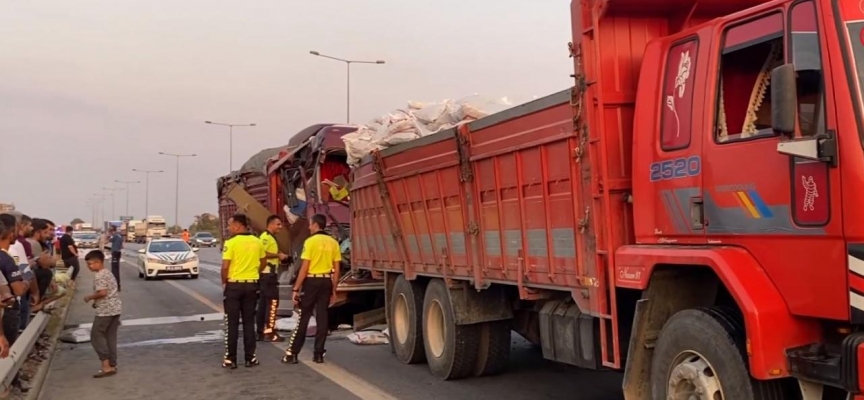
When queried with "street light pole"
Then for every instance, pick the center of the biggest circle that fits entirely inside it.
(147, 188)
(230, 141)
(127, 192)
(100, 197)
(177, 188)
(348, 76)
(113, 201)
(92, 203)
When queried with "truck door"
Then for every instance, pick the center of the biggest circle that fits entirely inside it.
(675, 169)
(780, 208)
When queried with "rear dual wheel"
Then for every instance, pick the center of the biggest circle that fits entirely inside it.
(451, 350)
(405, 321)
(422, 328)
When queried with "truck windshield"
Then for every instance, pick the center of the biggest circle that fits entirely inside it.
(157, 225)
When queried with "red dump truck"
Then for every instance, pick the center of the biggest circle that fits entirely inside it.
(689, 213)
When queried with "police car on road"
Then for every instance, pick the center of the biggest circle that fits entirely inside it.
(167, 258)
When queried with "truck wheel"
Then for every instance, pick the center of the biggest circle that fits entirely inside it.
(451, 349)
(493, 349)
(700, 355)
(405, 321)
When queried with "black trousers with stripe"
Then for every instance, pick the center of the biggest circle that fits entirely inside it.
(315, 296)
(239, 301)
(268, 303)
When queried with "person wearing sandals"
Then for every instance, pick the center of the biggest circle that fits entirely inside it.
(106, 302)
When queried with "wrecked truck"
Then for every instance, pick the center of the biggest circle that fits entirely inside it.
(310, 175)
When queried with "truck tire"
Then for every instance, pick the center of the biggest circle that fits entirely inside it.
(702, 350)
(493, 349)
(406, 322)
(451, 350)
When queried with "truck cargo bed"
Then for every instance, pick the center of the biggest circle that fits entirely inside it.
(490, 201)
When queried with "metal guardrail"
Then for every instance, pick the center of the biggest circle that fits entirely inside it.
(19, 352)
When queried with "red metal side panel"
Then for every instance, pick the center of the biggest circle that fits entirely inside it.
(525, 194)
(517, 184)
(423, 201)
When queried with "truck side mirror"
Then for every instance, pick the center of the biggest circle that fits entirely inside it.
(784, 99)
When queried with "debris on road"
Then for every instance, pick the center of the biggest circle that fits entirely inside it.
(370, 337)
(344, 327)
(290, 323)
(75, 335)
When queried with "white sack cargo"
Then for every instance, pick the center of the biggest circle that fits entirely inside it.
(418, 120)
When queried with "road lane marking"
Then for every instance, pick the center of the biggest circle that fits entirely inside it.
(195, 295)
(338, 375)
(164, 320)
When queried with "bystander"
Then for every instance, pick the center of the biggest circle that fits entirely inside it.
(106, 302)
(48, 290)
(69, 253)
(18, 285)
(116, 253)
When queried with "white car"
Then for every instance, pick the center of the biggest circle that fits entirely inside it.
(167, 257)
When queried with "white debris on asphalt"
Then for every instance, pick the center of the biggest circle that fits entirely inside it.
(76, 335)
(344, 327)
(289, 324)
(369, 337)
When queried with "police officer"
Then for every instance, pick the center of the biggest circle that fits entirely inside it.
(315, 288)
(242, 260)
(268, 301)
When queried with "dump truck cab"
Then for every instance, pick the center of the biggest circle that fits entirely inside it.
(690, 212)
(747, 171)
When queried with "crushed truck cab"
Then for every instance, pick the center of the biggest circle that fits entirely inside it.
(689, 212)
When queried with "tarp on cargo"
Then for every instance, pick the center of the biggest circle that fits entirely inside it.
(418, 120)
(258, 162)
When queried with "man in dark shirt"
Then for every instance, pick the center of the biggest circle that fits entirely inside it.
(116, 252)
(69, 253)
(13, 274)
(7, 267)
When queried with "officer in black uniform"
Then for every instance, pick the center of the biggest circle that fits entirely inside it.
(268, 302)
(242, 261)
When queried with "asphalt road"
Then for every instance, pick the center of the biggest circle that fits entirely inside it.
(171, 347)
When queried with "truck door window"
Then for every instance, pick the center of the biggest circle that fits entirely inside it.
(750, 52)
(678, 90)
(807, 58)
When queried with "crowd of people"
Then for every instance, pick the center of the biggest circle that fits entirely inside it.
(27, 275)
(29, 253)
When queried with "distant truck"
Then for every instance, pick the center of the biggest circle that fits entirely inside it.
(140, 232)
(152, 227)
(156, 227)
(130, 229)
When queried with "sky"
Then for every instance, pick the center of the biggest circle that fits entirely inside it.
(90, 90)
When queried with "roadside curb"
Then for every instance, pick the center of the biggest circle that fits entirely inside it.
(54, 338)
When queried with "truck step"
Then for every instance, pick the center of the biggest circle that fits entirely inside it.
(833, 365)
